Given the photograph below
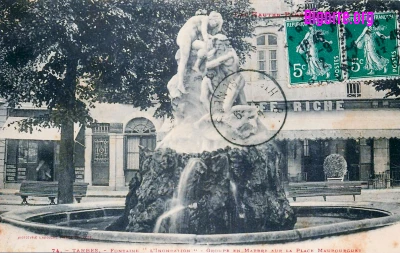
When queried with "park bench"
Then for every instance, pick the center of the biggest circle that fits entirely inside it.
(48, 189)
(312, 189)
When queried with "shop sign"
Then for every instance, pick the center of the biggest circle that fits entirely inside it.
(116, 128)
(300, 106)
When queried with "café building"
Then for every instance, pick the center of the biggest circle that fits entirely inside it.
(364, 132)
(347, 118)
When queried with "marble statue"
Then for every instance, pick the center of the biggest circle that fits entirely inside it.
(194, 35)
(208, 69)
(227, 60)
(207, 88)
(198, 181)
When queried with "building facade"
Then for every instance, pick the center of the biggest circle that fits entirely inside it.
(31, 156)
(3, 118)
(112, 147)
(351, 119)
(106, 156)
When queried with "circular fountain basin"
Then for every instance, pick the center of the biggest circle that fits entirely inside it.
(87, 221)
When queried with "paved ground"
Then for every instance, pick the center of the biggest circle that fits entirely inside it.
(9, 201)
(384, 240)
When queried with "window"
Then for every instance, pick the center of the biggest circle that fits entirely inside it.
(310, 4)
(306, 148)
(140, 126)
(140, 132)
(267, 45)
(353, 90)
(100, 154)
(101, 149)
(23, 157)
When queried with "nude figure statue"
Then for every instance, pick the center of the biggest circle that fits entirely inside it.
(173, 83)
(195, 34)
(207, 89)
(226, 59)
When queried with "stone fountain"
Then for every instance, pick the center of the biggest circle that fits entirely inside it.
(206, 181)
(198, 181)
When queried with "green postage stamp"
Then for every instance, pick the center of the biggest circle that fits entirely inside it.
(372, 51)
(313, 52)
(331, 53)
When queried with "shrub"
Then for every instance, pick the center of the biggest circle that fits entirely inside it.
(335, 166)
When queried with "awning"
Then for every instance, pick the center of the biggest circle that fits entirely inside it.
(352, 124)
(38, 133)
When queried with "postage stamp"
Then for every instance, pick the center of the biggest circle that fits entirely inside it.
(313, 53)
(372, 51)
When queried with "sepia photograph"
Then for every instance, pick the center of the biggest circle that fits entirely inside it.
(216, 126)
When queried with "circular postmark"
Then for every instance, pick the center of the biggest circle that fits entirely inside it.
(251, 114)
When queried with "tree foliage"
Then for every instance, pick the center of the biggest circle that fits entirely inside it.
(114, 51)
(66, 55)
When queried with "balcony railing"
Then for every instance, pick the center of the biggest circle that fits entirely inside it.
(380, 180)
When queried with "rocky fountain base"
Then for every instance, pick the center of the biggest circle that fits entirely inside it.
(230, 190)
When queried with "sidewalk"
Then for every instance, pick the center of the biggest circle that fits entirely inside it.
(8, 197)
(10, 201)
(98, 192)
(92, 192)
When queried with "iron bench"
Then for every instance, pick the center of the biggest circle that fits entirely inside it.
(312, 189)
(48, 189)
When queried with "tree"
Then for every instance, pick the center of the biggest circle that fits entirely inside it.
(66, 55)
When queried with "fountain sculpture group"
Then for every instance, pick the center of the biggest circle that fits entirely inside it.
(195, 181)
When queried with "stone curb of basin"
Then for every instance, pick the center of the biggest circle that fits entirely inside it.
(19, 218)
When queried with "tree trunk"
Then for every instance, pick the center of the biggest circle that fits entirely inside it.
(67, 172)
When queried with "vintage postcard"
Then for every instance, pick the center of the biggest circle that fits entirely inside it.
(159, 126)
